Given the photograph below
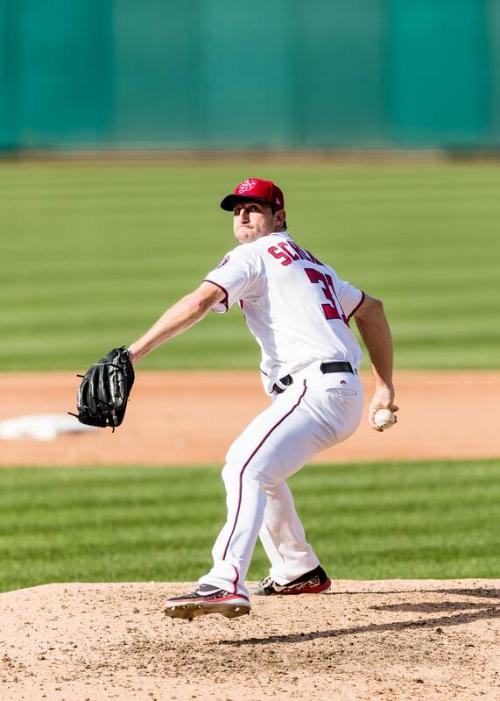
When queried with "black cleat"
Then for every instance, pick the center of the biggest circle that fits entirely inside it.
(313, 582)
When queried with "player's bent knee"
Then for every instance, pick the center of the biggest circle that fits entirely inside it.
(263, 474)
(233, 473)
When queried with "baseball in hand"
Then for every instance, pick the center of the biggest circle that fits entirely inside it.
(384, 419)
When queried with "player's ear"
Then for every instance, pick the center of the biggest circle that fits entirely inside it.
(279, 219)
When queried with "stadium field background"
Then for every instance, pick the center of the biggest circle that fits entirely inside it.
(94, 252)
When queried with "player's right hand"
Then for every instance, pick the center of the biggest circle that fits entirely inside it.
(383, 398)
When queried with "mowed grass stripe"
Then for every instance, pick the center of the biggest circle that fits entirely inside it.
(343, 193)
(394, 520)
(86, 244)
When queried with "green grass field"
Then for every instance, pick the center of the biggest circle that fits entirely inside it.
(437, 519)
(91, 255)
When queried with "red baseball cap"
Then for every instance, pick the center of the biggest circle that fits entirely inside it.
(255, 189)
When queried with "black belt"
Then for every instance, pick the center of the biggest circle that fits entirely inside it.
(330, 366)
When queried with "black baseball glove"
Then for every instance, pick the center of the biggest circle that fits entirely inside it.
(105, 389)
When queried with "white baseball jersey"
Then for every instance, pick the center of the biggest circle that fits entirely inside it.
(296, 307)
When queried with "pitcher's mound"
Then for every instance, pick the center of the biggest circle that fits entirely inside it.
(398, 640)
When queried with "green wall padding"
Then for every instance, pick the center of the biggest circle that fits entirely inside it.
(215, 74)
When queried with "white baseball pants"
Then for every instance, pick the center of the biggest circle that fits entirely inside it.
(314, 413)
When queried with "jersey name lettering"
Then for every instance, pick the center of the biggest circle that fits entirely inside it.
(288, 251)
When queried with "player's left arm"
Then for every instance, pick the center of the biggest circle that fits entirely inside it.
(180, 317)
(374, 329)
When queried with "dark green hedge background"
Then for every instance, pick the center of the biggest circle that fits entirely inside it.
(231, 74)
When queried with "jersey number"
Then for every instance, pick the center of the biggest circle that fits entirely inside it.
(330, 309)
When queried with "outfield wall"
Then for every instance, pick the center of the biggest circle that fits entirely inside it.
(228, 74)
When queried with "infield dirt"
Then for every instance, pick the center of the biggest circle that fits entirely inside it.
(191, 418)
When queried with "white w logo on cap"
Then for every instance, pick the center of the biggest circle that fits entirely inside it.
(246, 185)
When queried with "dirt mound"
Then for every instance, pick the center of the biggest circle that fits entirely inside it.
(188, 418)
(364, 640)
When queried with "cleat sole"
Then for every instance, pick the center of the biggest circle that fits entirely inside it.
(189, 611)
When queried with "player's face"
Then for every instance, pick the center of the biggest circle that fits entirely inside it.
(253, 220)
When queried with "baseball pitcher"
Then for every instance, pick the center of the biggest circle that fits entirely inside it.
(299, 310)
